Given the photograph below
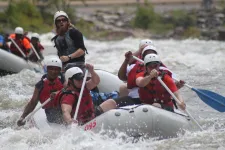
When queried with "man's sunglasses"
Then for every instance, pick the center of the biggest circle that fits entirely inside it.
(61, 20)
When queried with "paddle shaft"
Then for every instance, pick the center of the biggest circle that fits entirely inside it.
(32, 46)
(33, 112)
(138, 59)
(214, 99)
(18, 47)
(81, 94)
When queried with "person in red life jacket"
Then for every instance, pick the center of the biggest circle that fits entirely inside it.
(151, 91)
(68, 97)
(130, 72)
(127, 65)
(22, 42)
(68, 41)
(49, 83)
(35, 41)
(131, 67)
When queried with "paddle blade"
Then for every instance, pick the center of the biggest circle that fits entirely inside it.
(212, 99)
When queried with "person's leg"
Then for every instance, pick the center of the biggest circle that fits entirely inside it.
(105, 106)
(108, 105)
(112, 104)
(126, 101)
(123, 91)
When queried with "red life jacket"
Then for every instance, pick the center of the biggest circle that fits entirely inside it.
(86, 109)
(14, 49)
(21, 44)
(47, 88)
(131, 77)
(25, 37)
(41, 48)
(154, 92)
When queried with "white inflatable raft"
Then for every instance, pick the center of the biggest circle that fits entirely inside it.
(135, 121)
(13, 64)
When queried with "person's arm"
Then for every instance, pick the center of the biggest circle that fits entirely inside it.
(182, 105)
(77, 38)
(143, 81)
(77, 53)
(66, 111)
(137, 53)
(40, 46)
(122, 71)
(29, 107)
(94, 81)
(32, 104)
(67, 102)
(172, 86)
(123, 68)
(179, 84)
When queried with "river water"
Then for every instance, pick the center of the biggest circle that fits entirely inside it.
(199, 63)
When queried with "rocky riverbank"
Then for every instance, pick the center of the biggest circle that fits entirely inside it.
(117, 21)
(117, 24)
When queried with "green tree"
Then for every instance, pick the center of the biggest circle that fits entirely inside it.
(24, 14)
(145, 16)
(55, 5)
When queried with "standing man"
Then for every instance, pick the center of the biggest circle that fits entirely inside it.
(68, 41)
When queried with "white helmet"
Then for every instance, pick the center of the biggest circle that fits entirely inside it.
(145, 42)
(35, 35)
(151, 58)
(60, 13)
(18, 30)
(149, 47)
(72, 71)
(54, 62)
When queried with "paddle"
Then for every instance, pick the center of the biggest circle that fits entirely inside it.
(212, 99)
(80, 96)
(175, 98)
(34, 111)
(24, 56)
(32, 46)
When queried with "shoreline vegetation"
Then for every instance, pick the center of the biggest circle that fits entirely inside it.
(207, 23)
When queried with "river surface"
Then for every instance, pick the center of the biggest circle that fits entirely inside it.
(199, 63)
